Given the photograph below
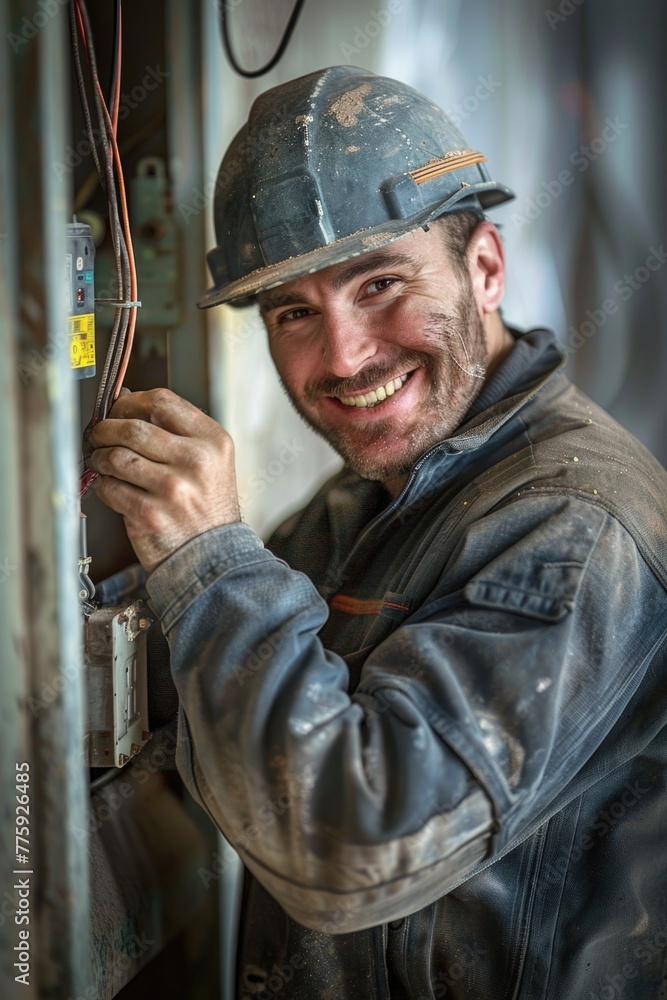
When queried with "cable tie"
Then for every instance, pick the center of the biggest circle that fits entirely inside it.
(118, 303)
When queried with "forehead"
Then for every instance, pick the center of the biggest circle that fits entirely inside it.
(403, 253)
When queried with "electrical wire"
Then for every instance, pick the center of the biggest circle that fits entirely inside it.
(148, 130)
(110, 171)
(282, 45)
(114, 82)
(77, 25)
(82, 92)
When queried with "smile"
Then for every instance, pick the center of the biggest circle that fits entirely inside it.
(378, 395)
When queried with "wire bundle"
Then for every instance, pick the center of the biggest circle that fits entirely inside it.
(110, 171)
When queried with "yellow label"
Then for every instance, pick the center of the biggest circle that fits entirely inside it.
(81, 330)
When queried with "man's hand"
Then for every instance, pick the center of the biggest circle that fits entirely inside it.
(167, 468)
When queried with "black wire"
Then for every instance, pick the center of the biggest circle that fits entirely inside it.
(82, 92)
(113, 79)
(284, 41)
(103, 779)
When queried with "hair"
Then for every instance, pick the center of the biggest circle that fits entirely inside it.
(456, 229)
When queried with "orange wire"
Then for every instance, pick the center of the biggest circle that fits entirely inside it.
(130, 252)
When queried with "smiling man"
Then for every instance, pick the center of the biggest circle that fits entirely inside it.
(411, 711)
(370, 359)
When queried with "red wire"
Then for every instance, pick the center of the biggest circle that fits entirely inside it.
(82, 28)
(87, 480)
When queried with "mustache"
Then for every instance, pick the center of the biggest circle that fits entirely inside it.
(373, 375)
(439, 329)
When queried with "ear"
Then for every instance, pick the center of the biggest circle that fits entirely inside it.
(486, 264)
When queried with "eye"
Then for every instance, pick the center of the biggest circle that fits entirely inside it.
(294, 314)
(380, 285)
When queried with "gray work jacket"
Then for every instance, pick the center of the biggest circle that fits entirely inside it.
(434, 728)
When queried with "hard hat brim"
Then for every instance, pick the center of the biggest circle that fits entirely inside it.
(243, 291)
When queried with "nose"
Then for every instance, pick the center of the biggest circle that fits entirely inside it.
(346, 344)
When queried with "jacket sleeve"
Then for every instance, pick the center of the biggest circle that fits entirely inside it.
(470, 720)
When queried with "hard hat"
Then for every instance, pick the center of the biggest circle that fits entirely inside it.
(330, 166)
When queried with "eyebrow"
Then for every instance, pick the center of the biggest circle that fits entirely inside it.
(364, 265)
(356, 269)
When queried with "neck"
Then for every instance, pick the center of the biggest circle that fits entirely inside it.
(499, 342)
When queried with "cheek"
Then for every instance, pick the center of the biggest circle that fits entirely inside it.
(292, 366)
(408, 321)
(408, 324)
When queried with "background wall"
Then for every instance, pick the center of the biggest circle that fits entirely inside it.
(565, 99)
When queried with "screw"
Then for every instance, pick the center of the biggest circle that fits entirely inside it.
(145, 735)
(135, 749)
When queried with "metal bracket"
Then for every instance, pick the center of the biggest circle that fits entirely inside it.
(115, 653)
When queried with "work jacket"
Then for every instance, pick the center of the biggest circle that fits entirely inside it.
(434, 727)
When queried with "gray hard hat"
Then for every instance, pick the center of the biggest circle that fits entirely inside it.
(330, 166)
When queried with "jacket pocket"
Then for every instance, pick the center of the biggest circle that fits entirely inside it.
(545, 591)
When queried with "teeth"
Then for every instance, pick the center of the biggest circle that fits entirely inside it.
(376, 395)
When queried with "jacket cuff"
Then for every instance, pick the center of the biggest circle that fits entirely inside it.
(193, 568)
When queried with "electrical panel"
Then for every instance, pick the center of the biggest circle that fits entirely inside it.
(80, 299)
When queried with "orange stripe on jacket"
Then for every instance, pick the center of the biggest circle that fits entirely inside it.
(362, 606)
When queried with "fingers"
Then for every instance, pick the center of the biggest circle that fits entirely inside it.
(164, 409)
(145, 439)
(120, 496)
(130, 467)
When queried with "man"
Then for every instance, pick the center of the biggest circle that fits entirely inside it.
(431, 719)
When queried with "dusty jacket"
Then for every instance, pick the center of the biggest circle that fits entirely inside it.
(440, 747)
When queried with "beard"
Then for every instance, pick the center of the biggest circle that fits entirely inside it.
(455, 365)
